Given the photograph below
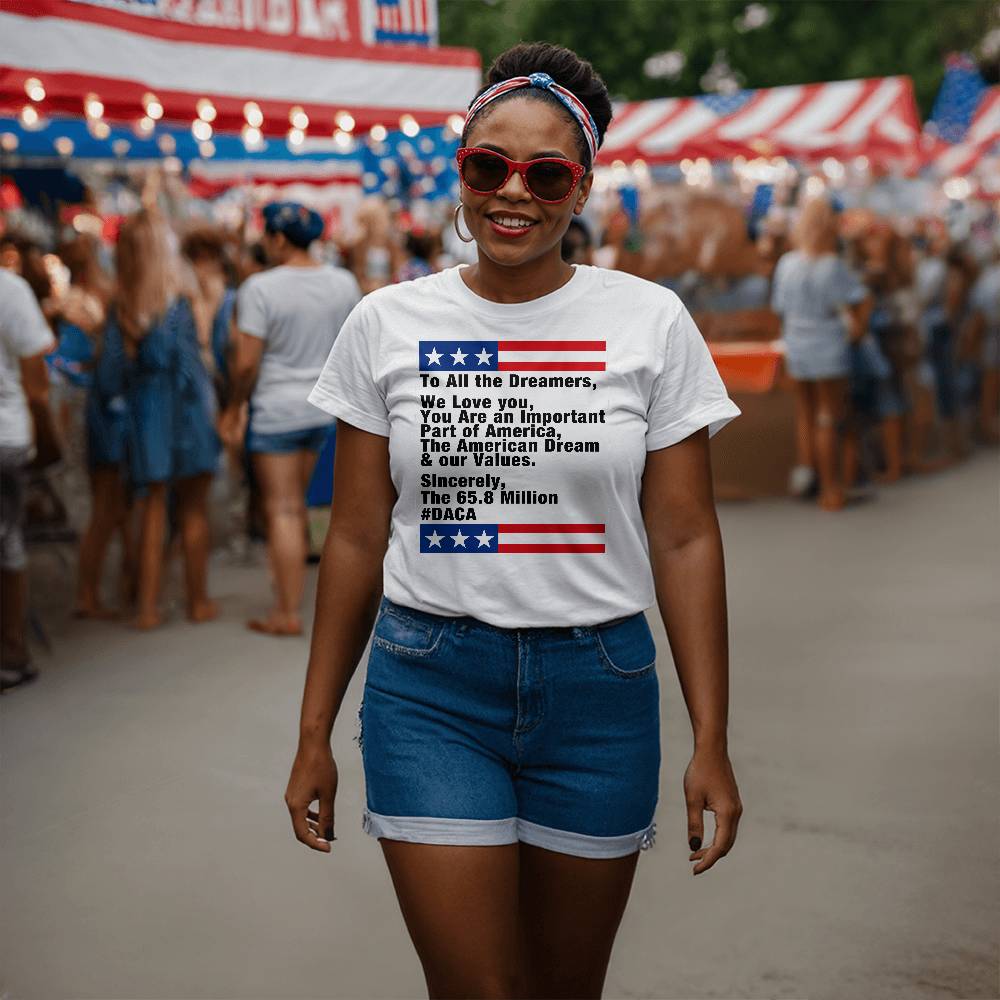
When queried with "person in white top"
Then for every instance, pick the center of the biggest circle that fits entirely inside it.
(287, 318)
(25, 339)
(522, 469)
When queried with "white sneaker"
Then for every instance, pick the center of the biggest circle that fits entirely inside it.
(801, 480)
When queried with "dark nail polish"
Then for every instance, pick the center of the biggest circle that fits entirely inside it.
(695, 843)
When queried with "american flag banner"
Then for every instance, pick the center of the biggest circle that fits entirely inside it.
(965, 121)
(401, 22)
(492, 538)
(512, 355)
(873, 117)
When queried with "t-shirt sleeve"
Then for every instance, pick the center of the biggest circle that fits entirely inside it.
(24, 328)
(346, 387)
(688, 393)
(251, 314)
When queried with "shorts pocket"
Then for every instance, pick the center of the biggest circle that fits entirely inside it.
(627, 648)
(398, 632)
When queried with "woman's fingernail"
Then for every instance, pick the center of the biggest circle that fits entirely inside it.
(695, 843)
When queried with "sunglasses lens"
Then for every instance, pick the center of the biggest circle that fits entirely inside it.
(550, 181)
(483, 171)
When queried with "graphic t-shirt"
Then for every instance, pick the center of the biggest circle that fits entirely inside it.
(297, 312)
(518, 435)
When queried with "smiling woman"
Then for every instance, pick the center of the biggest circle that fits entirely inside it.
(511, 704)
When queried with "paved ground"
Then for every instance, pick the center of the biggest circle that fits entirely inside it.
(147, 851)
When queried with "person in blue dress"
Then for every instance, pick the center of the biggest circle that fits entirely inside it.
(153, 357)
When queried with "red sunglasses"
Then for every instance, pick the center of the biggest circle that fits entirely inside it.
(550, 179)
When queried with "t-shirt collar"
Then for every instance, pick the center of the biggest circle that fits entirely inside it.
(518, 310)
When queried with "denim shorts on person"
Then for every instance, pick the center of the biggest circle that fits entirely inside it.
(478, 735)
(286, 442)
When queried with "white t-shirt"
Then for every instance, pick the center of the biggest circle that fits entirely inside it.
(518, 436)
(297, 312)
(23, 333)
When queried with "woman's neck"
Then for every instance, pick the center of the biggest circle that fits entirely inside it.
(300, 258)
(519, 283)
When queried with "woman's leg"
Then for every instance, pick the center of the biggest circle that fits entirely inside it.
(805, 410)
(280, 478)
(192, 498)
(570, 911)
(107, 511)
(831, 396)
(152, 532)
(460, 906)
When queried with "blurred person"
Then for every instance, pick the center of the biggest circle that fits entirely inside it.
(152, 356)
(421, 247)
(80, 318)
(577, 246)
(510, 720)
(287, 320)
(25, 339)
(374, 255)
(822, 306)
(213, 299)
(982, 335)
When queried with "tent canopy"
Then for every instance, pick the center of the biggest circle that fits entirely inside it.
(874, 117)
(126, 52)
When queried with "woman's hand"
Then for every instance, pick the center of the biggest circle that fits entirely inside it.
(709, 784)
(232, 426)
(314, 777)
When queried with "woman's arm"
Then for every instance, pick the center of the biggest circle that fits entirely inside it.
(347, 600)
(685, 548)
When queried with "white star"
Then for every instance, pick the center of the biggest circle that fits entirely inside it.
(434, 539)
(484, 539)
(434, 358)
(459, 357)
(458, 538)
(484, 357)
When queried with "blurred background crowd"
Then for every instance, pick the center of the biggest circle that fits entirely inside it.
(169, 291)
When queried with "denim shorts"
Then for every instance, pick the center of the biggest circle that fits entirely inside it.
(480, 735)
(285, 442)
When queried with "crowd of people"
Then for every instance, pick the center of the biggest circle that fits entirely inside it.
(191, 357)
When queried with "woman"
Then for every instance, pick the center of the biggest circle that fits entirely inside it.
(152, 356)
(287, 319)
(821, 304)
(520, 517)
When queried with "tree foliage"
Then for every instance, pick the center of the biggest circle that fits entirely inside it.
(805, 41)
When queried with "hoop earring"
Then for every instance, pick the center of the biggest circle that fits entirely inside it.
(458, 208)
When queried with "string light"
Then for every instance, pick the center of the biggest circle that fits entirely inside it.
(253, 114)
(206, 110)
(409, 125)
(99, 129)
(92, 106)
(345, 121)
(298, 118)
(154, 109)
(120, 147)
(252, 137)
(343, 139)
(64, 145)
(201, 130)
(8, 142)
(206, 149)
(29, 116)
(456, 123)
(378, 133)
(145, 126)
(34, 89)
(296, 137)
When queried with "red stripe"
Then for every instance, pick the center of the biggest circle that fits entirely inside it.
(181, 31)
(551, 366)
(517, 528)
(123, 103)
(552, 345)
(598, 547)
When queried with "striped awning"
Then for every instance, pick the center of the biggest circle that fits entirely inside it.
(874, 117)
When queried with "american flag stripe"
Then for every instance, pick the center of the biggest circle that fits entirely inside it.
(471, 537)
(875, 117)
(512, 355)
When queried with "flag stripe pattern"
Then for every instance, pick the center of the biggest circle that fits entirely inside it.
(512, 355)
(872, 117)
(494, 538)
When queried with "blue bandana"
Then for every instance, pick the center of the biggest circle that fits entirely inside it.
(299, 225)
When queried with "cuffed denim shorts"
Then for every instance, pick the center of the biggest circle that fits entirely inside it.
(286, 442)
(479, 735)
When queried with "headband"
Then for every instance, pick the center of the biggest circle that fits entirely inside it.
(544, 82)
